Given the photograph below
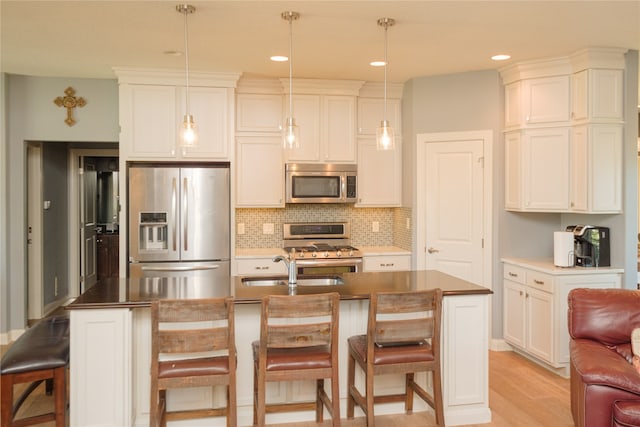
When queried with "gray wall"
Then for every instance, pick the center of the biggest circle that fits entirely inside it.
(34, 117)
(55, 222)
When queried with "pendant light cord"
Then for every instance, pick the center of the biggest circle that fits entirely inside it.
(186, 55)
(290, 66)
(386, 26)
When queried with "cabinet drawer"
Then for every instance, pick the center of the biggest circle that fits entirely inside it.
(515, 274)
(259, 267)
(541, 281)
(387, 263)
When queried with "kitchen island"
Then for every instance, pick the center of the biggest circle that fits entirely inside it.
(110, 346)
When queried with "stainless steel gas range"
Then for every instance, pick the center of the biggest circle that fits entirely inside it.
(322, 248)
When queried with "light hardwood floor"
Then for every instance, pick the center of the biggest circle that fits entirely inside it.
(521, 394)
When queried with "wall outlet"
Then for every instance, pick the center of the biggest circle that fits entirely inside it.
(408, 223)
(375, 226)
(267, 228)
(241, 228)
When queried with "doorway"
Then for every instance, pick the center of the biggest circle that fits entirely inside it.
(94, 212)
(454, 204)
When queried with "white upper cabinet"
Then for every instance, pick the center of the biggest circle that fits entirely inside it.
(536, 102)
(327, 128)
(597, 95)
(256, 112)
(563, 140)
(325, 112)
(260, 172)
(152, 107)
(379, 175)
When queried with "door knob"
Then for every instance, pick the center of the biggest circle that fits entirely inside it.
(432, 250)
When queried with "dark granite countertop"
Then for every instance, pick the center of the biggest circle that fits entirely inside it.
(132, 293)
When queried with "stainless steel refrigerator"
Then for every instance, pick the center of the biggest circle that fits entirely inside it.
(179, 221)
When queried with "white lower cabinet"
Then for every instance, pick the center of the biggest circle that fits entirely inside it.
(386, 262)
(535, 308)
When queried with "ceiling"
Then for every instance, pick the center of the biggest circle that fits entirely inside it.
(332, 39)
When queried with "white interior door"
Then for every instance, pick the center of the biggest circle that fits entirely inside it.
(89, 227)
(454, 212)
(34, 231)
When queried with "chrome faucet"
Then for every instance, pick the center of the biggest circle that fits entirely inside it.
(290, 263)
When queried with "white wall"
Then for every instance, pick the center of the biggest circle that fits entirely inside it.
(33, 116)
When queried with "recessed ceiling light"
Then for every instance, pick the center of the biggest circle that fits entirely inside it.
(377, 63)
(172, 52)
(279, 58)
(501, 57)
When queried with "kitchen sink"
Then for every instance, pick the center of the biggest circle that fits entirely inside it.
(302, 281)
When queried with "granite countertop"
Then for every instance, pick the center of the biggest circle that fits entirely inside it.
(133, 293)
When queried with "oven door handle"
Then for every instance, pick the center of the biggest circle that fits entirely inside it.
(322, 262)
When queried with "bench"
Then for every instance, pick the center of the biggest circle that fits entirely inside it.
(40, 354)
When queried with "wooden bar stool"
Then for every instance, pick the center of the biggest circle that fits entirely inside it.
(403, 337)
(298, 341)
(192, 345)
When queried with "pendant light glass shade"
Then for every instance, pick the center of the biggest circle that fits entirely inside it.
(290, 131)
(188, 131)
(385, 138)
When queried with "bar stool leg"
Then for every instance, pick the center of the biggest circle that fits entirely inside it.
(351, 376)
(7, 399)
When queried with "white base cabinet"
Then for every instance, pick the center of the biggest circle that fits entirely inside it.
(535, 307)
(386, 262)
(111, 350)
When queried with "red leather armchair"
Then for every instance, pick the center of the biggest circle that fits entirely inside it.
(602, 377)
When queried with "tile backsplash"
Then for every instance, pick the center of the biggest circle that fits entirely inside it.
(391, 224)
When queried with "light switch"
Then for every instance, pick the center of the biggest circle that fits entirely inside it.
(375, 226)
(241, 228)
(408, 223)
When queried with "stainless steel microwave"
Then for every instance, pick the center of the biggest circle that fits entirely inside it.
(321, 183)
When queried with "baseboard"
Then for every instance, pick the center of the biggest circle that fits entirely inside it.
(499, 344)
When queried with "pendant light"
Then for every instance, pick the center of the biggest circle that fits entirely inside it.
(385, 139)
(290, 135)
(188, 134)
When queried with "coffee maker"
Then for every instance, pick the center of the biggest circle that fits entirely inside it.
(591, 245)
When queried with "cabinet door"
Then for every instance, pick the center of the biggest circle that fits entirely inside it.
(606, 94)
(379, 174)
(209, 108)
(540, 324)
(605, 168)
(260, 172)
(306, 112)
(546, 169)
(259, 113)
(580, 95)
(512, 105)
(514, 313)
(148, 121)
(579, 167)
(513, 171)
(339, 129)
(371, 114)
(546, 100)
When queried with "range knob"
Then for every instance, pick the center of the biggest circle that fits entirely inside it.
(350, 252)
(326, 254)
(314, 254)
(338, 253)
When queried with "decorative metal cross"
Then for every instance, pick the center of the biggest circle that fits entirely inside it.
(69, 102)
